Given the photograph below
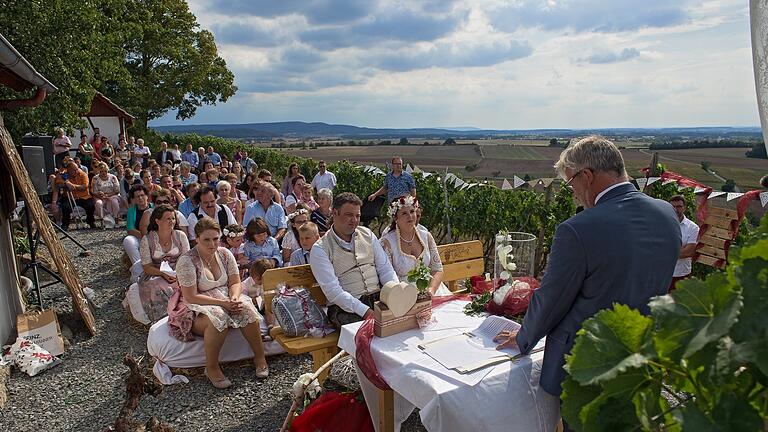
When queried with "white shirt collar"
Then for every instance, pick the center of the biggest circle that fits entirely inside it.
(600, 195)
(346, 244)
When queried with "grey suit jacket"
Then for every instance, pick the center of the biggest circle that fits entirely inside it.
(623, 250)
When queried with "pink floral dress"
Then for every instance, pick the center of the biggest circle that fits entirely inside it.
(190, 272)
(154, 291)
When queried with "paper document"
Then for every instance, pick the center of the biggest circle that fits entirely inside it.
(473, 347)
(166, 268)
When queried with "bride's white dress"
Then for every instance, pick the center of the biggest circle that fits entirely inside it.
(403, 263)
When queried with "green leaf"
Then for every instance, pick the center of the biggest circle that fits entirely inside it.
(575, 397)
(697, 313)
(729, 415)
(609, 343)
(647, 404)
(752, 277)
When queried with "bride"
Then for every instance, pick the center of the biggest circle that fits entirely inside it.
(406, 245)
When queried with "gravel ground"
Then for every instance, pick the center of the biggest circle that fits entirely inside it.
(86, 391)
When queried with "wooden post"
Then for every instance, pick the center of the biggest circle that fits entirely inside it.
(386, 411)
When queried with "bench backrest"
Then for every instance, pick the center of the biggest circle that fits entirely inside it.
(460, 261)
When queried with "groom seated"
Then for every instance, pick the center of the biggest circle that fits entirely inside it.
(349, 264)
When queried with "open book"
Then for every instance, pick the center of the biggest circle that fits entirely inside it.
(470, 351)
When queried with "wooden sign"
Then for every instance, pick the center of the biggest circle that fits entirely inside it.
(64, 266)
(715, 240)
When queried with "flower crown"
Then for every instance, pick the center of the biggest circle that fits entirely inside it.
(404, 201)
(298, 212)
(232, 233)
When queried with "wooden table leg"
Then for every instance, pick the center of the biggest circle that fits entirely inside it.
(386, 411)
(319, 358)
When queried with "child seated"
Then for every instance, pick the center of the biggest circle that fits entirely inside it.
(259, 244)
(308, 235)
(253, 287)
(232, 238)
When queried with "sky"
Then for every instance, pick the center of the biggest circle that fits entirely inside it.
(520, 64)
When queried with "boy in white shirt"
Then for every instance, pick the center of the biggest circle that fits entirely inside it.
(308, 235)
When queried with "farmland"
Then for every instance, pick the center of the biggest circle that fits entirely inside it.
(502, 160)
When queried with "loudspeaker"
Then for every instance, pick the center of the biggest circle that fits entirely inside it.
(46, 143)
(33, 161)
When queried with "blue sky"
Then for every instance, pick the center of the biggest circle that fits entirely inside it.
(490, 64)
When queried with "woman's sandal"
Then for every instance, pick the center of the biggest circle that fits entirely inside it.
(221, 383)
(262, 373)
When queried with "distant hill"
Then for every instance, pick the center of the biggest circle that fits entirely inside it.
(296, 129)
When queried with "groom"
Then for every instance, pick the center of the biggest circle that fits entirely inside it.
(621, 249)
(349, 264)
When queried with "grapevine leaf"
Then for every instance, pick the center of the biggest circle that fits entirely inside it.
(575, 397)
(729, 415)
(697, 313)
(752, 276)
(609, 343)
(646, 402)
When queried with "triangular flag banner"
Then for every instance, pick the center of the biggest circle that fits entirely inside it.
(764, 198)
(517, 182)
(681, 187)
(469, 185)
(733, 195)
(458, 182)
(641, 183)
(532, 183)
(426, 174)
(699, 189)
(505, 185)
(409, 169)
(668, 181)
(716, 194)
(547, 181)
(652, 180)
(416, 169)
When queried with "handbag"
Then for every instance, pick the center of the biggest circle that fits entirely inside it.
(298, 314)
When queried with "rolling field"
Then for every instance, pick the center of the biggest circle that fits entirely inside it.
(504, 161)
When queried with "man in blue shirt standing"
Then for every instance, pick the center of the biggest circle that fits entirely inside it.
(264, 208)
(396, 183)
(190, 157)
(213, 157)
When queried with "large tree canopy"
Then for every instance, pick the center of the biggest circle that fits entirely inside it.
(149, 56)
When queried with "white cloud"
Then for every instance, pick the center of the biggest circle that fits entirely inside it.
(397, 63)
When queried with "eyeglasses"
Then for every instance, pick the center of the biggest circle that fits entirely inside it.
(568, 182)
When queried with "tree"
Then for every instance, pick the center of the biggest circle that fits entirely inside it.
(77, 60)
(150, 57)
(705, 165)
(449, 141)
(172, 63)
(554, 143)
(403, 141)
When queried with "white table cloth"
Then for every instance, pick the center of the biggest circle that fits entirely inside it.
(508, 398)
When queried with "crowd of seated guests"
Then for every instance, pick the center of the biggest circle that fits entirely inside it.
(202, 232)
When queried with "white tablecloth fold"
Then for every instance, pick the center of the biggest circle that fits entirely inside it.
(506, 397)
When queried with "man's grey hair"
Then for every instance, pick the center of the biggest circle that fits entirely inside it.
(325, 193)
(594, 152)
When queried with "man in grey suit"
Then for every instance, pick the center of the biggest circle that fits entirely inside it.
(621, 249)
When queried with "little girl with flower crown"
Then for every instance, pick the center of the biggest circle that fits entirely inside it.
(232, 238)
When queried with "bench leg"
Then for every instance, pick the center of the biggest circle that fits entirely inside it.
(386, 411)
(321, 357)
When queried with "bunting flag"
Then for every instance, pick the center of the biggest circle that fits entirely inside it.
(652, 180)
(641, 183)
(681, 186)
(409, 169)
(417, 170)
(699, 189)
(763, 198)
(547, 182)
(505, 185)
(517, 182)
(532, 183)
(459, 182)
(668, 181)
(716, 194)
(470, 185)
(733, 195)
(426, 174)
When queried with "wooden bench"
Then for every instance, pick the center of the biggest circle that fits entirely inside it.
(460, 261)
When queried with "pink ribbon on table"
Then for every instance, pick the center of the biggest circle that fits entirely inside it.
(364, 337)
